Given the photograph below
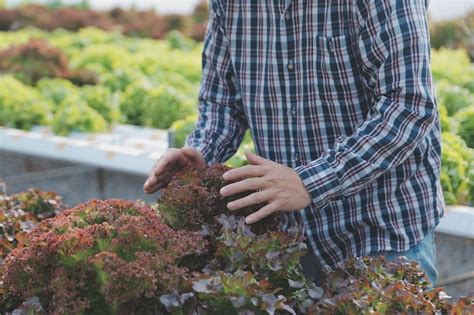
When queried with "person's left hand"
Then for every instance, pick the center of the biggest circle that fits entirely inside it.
(277, 185)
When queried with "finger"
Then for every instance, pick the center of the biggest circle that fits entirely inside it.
(159, 182)
(154, 178)
(252, 199)
(244, 172)
(255, 159)
(193, 155)
(152, 189)
(254, 183)
(162, 164)
(262, 213)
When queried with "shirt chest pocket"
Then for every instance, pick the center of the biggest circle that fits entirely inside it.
(335, 64)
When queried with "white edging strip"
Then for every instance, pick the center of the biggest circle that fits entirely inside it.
(128, 149)
(458, 221)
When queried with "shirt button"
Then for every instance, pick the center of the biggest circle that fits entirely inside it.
(331, 46)
(293, 111)
(287, 16)
(297, 157)
(290, 65)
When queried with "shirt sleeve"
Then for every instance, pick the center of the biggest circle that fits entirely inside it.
(395, 55)
(221, 122)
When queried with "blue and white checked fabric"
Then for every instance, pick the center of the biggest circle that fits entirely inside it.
(341, 91)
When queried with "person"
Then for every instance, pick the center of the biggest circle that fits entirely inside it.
(339, 100)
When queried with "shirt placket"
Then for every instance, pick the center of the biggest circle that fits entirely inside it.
(288, 34)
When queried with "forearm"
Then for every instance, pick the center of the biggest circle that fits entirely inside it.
(403, 110)
(383, 142)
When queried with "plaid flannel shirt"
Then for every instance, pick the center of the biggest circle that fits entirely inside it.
(341, 91)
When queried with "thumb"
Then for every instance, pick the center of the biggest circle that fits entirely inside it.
(255, 159)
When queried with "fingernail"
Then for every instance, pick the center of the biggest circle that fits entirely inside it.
(223, 191)
(146, 183)
(248, 220)
(230, 205)
(226, 175)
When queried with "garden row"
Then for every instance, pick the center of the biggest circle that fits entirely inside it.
(454, 33)
(454, 82)
(187, 255)
(86, 81)
(145, 24)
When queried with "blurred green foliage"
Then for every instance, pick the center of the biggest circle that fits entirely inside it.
(165, 106)
(454, 82)
(56, 89)
(454, 66)
(74, 115)
(457, 174)
(101, 99)
(141, 81)
(182, 128)
(22, 106)
(445, 121)
(239, 159)
(465, 125)
(453, 97)
(454, 34)
(33, 60)
(176, 40)
(154, 105)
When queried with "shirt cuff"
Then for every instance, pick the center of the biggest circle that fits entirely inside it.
(320, 180)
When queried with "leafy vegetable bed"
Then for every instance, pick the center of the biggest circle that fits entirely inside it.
(90, 80)
(188, 255)
(20, 213)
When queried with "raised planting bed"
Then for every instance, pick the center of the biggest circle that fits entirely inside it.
(455, 250)
(188, 255)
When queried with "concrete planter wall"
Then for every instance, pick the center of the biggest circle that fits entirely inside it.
(76, 183)
(455, 250)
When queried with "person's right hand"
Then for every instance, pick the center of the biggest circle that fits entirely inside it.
(169, 164)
